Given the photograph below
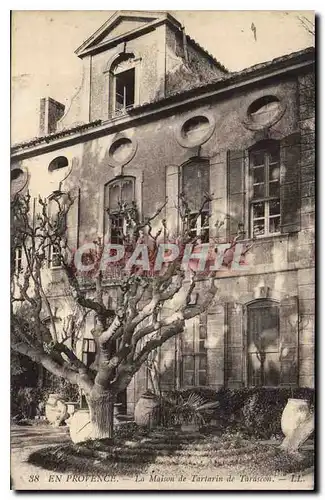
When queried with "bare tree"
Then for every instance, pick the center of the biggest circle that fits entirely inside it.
(126, 336)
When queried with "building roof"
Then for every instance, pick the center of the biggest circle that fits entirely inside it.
(259, 70)
(236, 76)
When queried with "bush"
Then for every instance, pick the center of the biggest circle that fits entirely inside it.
(27, 402)
(61, 386)
(24, 402)
(256, 411)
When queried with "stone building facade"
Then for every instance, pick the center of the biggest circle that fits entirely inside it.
(156, 114)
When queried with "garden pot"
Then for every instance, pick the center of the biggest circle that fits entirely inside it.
(55, 410)
(144, 412)
(80, 426)
(295, 413)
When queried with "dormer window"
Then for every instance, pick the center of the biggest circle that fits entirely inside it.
(123, 88)
(124, 91)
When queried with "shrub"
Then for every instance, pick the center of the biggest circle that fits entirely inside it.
(27, 402)
(24, 402)
(182, 407)
(61, 386)
(256, 411)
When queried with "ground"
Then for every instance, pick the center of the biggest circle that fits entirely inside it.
(168, 470)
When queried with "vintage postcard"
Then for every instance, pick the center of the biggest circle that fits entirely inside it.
(162, 250)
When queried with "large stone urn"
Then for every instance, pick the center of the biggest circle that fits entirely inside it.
(56, 410)
(145, 413)
(295, 413)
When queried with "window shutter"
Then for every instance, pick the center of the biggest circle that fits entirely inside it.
(289, 340)
(234, 361)
(235, 191)
(172, 188)
(215, 345)
(290, 185)
(73, 220)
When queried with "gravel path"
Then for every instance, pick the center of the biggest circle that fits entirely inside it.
(25, 440)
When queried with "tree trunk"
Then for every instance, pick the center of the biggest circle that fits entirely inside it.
(101, 408)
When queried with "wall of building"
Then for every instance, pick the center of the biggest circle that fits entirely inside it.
(281, 265)
(186, 66)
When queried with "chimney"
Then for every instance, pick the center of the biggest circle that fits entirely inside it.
(50, 113)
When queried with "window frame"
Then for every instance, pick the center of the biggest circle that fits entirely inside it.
(125, 108)
(122, 63)
(57, 252)
(267, 198)
(262, 303)
(85, 352)
(199, 228)
(18, 259)
(199, 326)
(115, 213)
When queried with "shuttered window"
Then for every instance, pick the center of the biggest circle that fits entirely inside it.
(263, 187)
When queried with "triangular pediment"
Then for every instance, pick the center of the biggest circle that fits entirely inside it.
(121, 24)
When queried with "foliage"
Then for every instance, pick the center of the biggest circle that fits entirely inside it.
(62, 387)
(257, 410)
(24, 402)
(27, 402)
(177, 409)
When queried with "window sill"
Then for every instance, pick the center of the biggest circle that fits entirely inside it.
(269, 237)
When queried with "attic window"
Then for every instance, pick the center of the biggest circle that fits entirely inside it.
(57, 163)
(123, 83)
(124, 91)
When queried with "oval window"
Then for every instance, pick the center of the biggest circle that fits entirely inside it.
(195, 128)
(121, 150)
(57, 163)
(16, 174)
(265, 110)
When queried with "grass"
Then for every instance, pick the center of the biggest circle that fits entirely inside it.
(135, 451)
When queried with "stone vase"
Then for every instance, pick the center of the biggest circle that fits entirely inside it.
(144, 412)
(294, 414)
(55, 410)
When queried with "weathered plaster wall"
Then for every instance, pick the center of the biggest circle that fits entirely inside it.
(182, 75)
(284, 264)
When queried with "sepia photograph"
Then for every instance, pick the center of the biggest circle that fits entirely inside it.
(162, 250)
